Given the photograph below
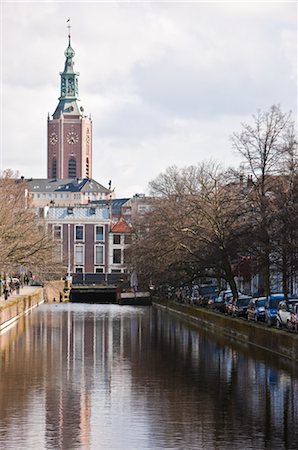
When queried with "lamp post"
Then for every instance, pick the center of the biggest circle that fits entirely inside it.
(68, 249)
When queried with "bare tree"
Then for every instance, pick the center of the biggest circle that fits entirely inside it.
(194, 229)
(263, 148)
(285, 228)
(24, 240)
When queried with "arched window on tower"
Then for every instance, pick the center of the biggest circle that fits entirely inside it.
(72, 168)
(87, 167)
(54, 168)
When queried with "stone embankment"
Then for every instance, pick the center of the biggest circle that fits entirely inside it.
(270, 339)
(53, 290)
(19, 304)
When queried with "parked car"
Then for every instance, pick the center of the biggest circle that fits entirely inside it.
(36, 282)
(294, 317)
(283, 314)
(271, 306)
(218, 304)
(207, 291)
(229, 305)
(226, 295)
(239, 308)
(256, 309)
(224, 299)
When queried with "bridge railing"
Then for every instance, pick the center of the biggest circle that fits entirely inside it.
(98, 278)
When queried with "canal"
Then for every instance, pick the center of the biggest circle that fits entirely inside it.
(115, 377)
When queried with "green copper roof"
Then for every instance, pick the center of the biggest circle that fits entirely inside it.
(69, 52)
(69, 90)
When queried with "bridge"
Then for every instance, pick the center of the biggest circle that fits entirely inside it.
(104, 288)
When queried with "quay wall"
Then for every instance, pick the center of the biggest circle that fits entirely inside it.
(278, 342)
(53, 290)
(14, 308)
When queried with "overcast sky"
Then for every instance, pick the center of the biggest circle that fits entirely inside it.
(165, 83)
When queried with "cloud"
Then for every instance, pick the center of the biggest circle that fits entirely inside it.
(166, 83)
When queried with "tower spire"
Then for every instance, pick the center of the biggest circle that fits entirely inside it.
(69, 27)
(69, 90)
(69, 130)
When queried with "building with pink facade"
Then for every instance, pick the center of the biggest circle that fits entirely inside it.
(86, 239)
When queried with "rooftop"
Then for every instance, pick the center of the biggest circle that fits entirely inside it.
(76, 213)
(121, 226)
(66, 185)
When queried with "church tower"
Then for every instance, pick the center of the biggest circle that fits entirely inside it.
(69, 130)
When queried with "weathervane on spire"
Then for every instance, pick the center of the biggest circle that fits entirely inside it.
(69, 27)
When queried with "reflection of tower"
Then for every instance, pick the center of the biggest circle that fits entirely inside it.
(69, 131)
(68, 404)
(85, 423)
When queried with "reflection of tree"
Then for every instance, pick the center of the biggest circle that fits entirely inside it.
(212, 388)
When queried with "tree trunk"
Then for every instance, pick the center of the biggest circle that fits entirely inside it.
(285, 275)
(231, 280)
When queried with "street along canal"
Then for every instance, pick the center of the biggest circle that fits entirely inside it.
(115, 377)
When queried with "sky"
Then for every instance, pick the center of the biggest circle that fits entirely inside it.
(166, 83)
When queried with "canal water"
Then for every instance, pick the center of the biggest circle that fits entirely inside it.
(109, 377)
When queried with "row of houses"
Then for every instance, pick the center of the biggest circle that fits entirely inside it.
(91, 228)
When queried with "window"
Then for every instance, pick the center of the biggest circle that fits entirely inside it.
(116, 271)
(98, 254)
(98, 233)
(72, 168)
(117, 256)
(54, 168)
(98, 269)
(79, 233)
(32, 195)
(116, 239)
(79, 255)
(79, 270)
(38, 195)
(57, 232)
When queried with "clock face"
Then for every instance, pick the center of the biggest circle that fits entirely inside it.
(53, 138)
(72, 137)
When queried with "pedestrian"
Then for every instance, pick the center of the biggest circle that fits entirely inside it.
(134, 281)
(11, 286)
(6, 292)
(17, 286)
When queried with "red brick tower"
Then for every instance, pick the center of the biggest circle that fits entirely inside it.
(69, 130)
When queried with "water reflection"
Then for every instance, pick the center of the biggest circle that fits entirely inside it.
(110, 377)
